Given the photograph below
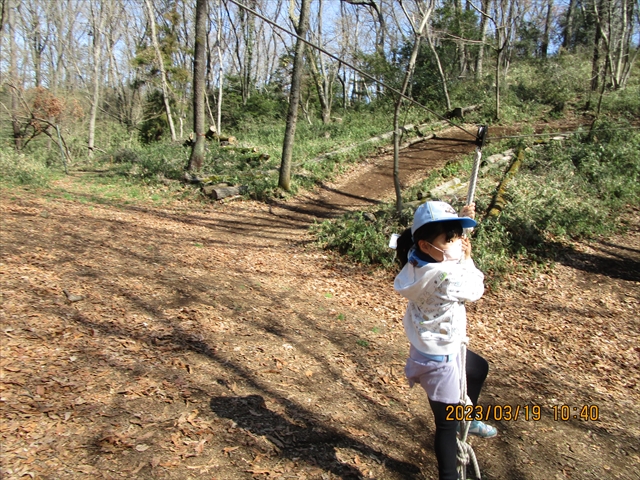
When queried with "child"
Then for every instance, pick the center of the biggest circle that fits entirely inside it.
(438, 276)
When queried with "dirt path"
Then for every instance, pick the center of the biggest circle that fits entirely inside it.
(369, 183)
(218, 343)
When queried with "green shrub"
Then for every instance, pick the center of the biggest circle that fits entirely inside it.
(126, 156)
(555, 82)
(148, 163)
(359, 238)
(623, 102)
(573, 190)
(155, 126)
(20, 169)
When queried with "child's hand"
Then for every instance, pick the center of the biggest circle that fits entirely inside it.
(466, 248)
(468, 211)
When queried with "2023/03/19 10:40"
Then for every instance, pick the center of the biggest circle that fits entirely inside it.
(565, 413)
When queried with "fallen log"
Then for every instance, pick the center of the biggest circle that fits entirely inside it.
(211, 135)
(385, 136)
(460, 112)
(220, 191)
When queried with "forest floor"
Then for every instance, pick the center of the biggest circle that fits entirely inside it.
(217, 341)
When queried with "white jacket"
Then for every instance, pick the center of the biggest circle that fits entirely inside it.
(436, 319)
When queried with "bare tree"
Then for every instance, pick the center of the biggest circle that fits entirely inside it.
(504, 18)
(163, 73)
(13, 75)
(248, 28)
(547, 30)
(323, 74)
(376, 11)
(614, 29)
(220, 70)
(443, 77)
(567, 31)
(484, 16)
(418, 25)
(301, 26)
(34, 17)
(197, 152)
(380, 31)
(98, 19)
(461, 46)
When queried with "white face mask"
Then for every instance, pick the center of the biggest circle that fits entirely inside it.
(453, 252)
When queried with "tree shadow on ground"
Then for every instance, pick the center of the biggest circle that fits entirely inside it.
(305, 438)
(615, 261)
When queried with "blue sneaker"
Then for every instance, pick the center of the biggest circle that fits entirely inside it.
(481, 429)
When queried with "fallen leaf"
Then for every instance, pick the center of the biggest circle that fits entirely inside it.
(259, 471)
(200, 446)
(73, 298)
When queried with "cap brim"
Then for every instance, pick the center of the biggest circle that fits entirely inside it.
(466, 222)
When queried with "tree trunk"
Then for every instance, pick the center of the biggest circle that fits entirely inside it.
(396, 125)
(417, 31)
(567, 33)
(629, 59)
(498, 61)
(220, 71)
(460, 46)
(547, 30)
(247, 23)
(294, 96)
(443, 77)
(98, 26)
(199, 66)
(614, 32)
(343, 85)
(13, 75)
(163, 73)
(321, 77)
(37, 43)
(323, 85)
(622, 51)
(595, 62)
(483, 37)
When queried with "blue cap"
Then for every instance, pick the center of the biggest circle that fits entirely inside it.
(431, 212)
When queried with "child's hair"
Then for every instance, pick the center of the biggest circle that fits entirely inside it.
(428, 232)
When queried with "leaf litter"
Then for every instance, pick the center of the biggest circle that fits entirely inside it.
(220, 342)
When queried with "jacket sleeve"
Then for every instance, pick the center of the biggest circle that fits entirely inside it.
(461, 282)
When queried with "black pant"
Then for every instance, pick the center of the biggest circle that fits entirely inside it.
(477, 369)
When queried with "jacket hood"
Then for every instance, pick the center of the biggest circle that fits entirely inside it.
(411, 281)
